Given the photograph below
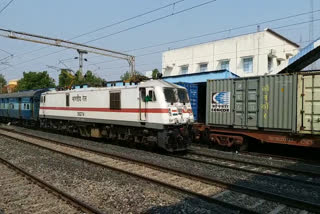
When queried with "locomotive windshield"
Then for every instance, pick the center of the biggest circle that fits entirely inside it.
(170, 95)
(183, 96)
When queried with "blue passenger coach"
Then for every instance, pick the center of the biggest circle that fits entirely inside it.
(21, 106)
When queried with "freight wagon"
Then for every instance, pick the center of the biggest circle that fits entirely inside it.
(283, 109)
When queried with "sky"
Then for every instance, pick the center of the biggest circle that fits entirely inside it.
(67, 19)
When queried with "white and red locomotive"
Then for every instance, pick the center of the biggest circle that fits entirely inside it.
(153, 112)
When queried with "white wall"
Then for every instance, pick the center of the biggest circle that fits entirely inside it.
(258, 45)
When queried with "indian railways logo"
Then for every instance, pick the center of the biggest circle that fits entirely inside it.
(220, 102)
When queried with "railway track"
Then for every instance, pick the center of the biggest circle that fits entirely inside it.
(219, 192)
(309, 178)
(22, 192)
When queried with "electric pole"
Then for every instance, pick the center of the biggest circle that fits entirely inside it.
(81, 52)
(311, 29)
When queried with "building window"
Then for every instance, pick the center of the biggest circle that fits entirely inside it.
(224, 64)
(203, 67)
(184, 69)
(270, 64)
(115, 102)
(248, 65)
(278, 62)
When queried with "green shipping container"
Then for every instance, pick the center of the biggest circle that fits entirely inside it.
(308, 112)
(256, 103)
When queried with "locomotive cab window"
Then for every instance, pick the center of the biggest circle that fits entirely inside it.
(170, 95)
(152, 96)
(115, 102)
(183, 96)
(43, 99)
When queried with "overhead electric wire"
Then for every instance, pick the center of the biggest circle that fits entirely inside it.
(195, 37)
(7, 5)
(151, 21)
(222, 31)
(154, 20)
(151, 53)
(6, 52)
(128, 19)
(113, 24)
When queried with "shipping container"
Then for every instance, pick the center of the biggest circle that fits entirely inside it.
(283, 103)
(308, 105)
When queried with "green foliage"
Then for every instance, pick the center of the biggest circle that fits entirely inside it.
(67, 79)
(135, 77)
(93, 80)
(3, 81)
(35, 80)
(125, 76)
(155, 73)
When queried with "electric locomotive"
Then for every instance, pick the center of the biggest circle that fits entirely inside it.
(154, 112)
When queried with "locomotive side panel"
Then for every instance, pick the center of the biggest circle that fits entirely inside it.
(110, 106)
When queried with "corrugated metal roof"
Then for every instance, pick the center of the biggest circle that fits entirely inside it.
(22, 94)
(305, 57)
(201, 77)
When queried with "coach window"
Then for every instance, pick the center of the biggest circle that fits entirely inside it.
(115, 102)
(67, 99)
(24, 106)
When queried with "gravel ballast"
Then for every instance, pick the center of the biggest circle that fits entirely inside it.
(264, 183)
(107, 190)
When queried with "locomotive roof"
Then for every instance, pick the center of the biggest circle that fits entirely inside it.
(148, 83)
(160, 83)
(30, 93)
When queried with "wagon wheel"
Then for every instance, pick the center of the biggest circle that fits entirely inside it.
(205, 137)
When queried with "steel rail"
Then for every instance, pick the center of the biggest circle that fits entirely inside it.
(281, 158)
(294, 179)
(167, 185)
(289, 201)
(315, 174)
(65, 196)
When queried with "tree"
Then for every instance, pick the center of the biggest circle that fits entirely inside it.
(155, 73)
(91, 79)
(3, 82)
(68, 79)
(135, 77)
(35, 80)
